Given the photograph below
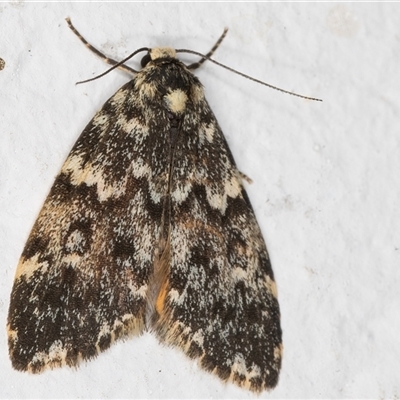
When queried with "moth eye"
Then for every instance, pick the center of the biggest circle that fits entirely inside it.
(145, 60)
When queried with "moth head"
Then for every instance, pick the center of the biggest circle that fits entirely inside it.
(158, 53)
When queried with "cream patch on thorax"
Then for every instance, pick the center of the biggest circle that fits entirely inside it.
(162, 52)
(176, 101)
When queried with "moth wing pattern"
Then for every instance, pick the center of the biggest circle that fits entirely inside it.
(82, 279)
(219, 300)
(148, 226)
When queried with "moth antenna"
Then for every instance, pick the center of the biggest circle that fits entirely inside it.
(116, 66)
(96, 51)
(210, 53)
(206, 57)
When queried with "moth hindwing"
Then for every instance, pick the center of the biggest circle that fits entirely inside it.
(148, 226)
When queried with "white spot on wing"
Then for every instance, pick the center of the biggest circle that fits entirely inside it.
(239, 367)
(92, 176)
(29, 266)
(271, 286)
(56, 355)
(239, 274)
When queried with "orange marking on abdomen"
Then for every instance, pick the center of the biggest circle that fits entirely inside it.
(160, 302)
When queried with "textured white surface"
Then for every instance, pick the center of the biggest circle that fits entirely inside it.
(326, 176)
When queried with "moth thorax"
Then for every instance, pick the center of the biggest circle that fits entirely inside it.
(175, 101)
(162, 52)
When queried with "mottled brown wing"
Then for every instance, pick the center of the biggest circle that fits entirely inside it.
(148, 217)
(218, 302)
(82, 279)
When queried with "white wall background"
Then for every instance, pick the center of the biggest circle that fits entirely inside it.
(326, 176)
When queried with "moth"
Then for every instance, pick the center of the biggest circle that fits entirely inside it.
(148, 226)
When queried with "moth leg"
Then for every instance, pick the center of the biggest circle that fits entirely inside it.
(97, 52)
(210, 53)
(245, 177)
